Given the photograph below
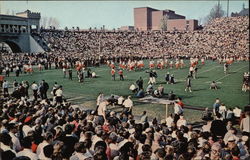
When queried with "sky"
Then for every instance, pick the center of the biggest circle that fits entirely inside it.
(112, 14)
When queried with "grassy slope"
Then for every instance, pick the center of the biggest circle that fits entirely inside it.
(85, 93)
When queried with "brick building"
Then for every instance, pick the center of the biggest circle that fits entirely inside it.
(182, 25)
(126, 28)
(146, 18)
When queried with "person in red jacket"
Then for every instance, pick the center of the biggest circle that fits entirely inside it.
(113, 74)
(120, 72)
(180, 102)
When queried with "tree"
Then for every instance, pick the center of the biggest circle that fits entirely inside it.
(46, 22)
(200, 21)
(215, 12)
(163, 23)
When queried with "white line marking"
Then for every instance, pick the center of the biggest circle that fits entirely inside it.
(75, 98)
(229, 74)
(208, 70)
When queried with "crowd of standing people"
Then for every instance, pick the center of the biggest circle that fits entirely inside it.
(36, 127)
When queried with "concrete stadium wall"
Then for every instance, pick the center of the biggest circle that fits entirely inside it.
(34, 46)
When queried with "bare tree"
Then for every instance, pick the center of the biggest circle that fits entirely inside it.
(216, 12)
(55, 22)
(200, 21)
(8, 12)
(47, 22)
(163, 23)
(44, 21)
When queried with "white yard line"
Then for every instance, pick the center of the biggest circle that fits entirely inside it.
(229, 74)
(75, 98)
(208, 70)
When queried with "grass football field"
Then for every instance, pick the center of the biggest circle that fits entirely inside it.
(85, 94)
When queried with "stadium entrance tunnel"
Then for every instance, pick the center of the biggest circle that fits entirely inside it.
(10, 46)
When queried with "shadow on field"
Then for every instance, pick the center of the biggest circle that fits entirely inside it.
(185, 96)
(200, 77)
(177, 82)
(201, 89)
(161, 83)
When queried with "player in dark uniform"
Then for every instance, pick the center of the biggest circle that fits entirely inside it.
(167, 77)
(188, 84)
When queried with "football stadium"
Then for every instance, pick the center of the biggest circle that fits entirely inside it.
(165, 85)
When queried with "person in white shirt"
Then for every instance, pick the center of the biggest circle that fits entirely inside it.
(133, 88)
(181, 122)
(101, 111)
(120, 100)
(6, 143)
(12, 127)
(177, 111)
(245, 124)
(223, 110)
(231, 133)
(48, 152)
(5, 88)
(128, 104)
(169, 120)
(48, 139)
(34, 88)
(59, 95)
(100, 98)
(93, 75)
(26, 144)
(237, 112)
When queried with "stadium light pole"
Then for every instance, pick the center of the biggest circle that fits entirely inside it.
(227, 7)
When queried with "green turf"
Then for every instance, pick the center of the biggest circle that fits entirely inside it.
(85, 93)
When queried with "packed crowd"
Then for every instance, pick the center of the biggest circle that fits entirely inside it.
(40, 128)
(33, 129)
(222, 37)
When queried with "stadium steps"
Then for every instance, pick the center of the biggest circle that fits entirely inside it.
(41, 42)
